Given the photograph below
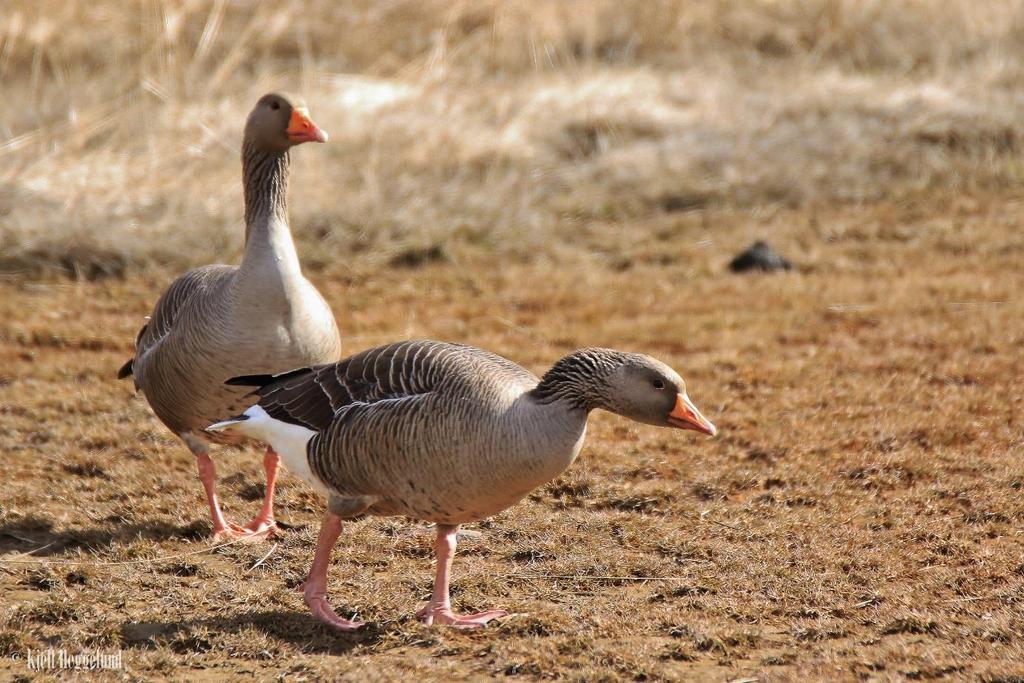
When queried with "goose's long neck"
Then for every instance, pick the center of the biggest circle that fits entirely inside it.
(578, 381)
(268, 239)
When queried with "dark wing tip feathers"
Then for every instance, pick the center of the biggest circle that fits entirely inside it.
(260, 381)
(250, 380)
(127, 369)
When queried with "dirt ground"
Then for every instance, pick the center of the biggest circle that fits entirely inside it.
(859, 516)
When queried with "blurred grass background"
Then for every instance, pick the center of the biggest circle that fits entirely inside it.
(485, 129)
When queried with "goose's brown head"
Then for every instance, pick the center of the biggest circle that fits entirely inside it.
(648, 391)
(630, 384)
(280, 121)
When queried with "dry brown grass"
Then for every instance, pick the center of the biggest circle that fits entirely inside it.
(859, 517)
(485, 127)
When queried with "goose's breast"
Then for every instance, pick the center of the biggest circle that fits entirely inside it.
(285, 330)
(469, 469)
(312, 331)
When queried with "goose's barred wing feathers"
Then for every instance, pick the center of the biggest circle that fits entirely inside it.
(168, 308)
(314, 397)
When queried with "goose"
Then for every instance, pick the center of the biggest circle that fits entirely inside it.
(443, 433)
(219, 321)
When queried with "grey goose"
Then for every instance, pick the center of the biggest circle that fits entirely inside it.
(219, 321)
(443, 433)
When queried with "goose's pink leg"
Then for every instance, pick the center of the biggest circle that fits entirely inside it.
(315, 588)
(222, 530)
(439, 609)
(262, 525)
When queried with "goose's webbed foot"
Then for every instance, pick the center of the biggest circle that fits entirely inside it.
(440, 614)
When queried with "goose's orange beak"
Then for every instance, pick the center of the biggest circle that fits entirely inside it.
(686, 416)
(302, 129)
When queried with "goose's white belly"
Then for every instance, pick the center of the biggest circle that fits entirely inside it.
(288, 440)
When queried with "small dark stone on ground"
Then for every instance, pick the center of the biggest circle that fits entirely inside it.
(415, 257)
(759, 256)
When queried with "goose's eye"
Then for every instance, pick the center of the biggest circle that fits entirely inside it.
(658, 384)
(275, 105)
